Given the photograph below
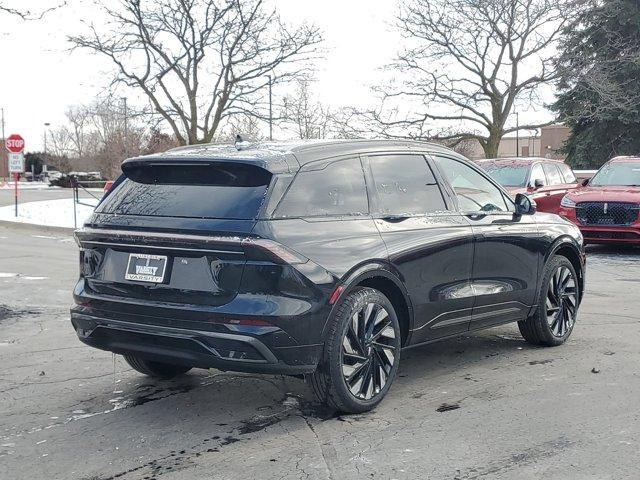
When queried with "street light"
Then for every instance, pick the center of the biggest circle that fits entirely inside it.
(46, 126)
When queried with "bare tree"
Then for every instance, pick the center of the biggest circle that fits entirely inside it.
(98, 136)
(248, 126)
(78, 118)
(59, 142)
(201, 61)
(470, 62)
(307, 117)
(28, 14)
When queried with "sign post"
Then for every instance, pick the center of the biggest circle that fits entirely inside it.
(15, 145)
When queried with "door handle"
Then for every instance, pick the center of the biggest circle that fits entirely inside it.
(394, 218)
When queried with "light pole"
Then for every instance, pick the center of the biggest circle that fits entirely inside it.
(126, 126)
(270, 107)
(46, 127)
(517, 134)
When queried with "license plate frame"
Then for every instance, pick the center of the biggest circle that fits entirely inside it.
(146, 268)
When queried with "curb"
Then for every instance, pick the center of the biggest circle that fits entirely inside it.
(31, 227)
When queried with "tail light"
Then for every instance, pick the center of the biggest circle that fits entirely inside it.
(262, 249)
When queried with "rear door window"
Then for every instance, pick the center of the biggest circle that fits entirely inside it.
(221, 190)
(405, 185)
(567, 173)
(553, 174)
(328, 189)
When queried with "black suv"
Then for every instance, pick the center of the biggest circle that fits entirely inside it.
(317, 258)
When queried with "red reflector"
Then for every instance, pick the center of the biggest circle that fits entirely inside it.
(336, 294)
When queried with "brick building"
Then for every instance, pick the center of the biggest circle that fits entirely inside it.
(4, 166)
(545, 144)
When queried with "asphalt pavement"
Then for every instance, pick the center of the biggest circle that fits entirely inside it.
(482, 406)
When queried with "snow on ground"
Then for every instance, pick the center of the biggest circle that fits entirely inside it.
(52, 213)
(25, 185)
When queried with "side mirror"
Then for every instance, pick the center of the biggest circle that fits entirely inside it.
(538, 183)
(525, 205)
(585, 182)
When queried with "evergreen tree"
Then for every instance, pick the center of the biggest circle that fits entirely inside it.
(599, 83)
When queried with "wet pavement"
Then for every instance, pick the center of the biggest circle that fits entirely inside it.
(480, 406)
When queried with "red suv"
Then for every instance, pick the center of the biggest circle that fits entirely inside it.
(606, 207)
(544, 180)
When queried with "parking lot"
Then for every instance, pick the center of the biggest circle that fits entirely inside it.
(481, 406)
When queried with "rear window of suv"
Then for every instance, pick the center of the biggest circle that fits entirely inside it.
(326, 189)
(222, 190)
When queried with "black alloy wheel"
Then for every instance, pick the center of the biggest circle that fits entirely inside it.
(368, 351)
(555, 317)
(361, 353)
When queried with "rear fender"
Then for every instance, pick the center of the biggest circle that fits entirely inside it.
(361, 273)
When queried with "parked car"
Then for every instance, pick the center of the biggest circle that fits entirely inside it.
(606, 207)
(544, 180)
(107, 186)
(324, 259)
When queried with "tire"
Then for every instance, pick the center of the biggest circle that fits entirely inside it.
(558, 301)
(363, 349)
(155, 369)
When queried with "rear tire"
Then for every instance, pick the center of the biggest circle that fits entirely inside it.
(155, 369)
(361, 354)
(558, 301)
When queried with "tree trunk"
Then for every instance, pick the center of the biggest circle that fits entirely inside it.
(491, 145)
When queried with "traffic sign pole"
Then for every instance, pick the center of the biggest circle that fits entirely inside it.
(15, 196)
(15, 145)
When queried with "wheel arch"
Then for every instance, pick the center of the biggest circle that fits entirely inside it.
(380, 277)
(566, 247)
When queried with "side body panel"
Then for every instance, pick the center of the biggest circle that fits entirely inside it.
(434, 255)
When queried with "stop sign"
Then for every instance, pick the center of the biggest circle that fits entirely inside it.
(15, 143)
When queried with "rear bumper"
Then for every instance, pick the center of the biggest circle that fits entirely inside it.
(196, 348)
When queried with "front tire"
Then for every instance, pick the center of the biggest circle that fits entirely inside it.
(361, 353)
(155, 369)
(558, 300)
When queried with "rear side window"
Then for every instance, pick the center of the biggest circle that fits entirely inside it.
(222, 190)
(405, 185)
(553, 174)
(333, 189)
(568, 174)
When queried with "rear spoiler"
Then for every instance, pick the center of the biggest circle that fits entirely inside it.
(274, 164)
(167, 171)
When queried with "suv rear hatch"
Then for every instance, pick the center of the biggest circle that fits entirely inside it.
(174, 232)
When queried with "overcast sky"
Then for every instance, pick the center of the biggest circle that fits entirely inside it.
(42, 77)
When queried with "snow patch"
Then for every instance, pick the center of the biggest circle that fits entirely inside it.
(26, 186)
(50, 213)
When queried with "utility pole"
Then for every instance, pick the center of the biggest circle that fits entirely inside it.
(517, 134)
